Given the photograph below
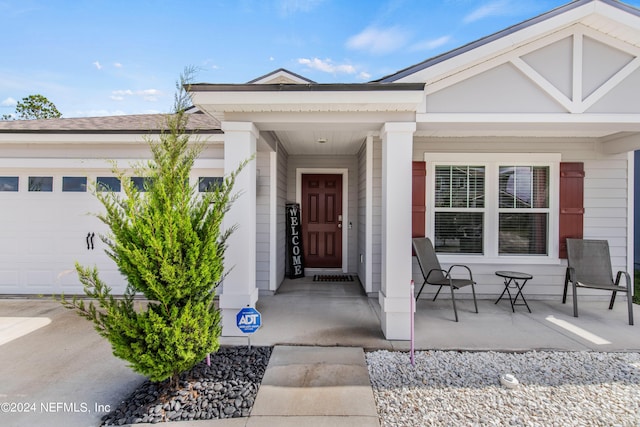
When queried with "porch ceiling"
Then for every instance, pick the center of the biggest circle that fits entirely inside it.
(327, 141)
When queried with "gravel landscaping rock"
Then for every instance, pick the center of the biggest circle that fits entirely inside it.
(443, 388)
(446, 388)
(226, 389)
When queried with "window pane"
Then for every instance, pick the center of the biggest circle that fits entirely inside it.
(523, 233)
(208, 183)
(74, 183)
(108, 183)
(141, 183)
(459, 232)
(8, 183)
(524, 187)
(459, 187)
(40, 183)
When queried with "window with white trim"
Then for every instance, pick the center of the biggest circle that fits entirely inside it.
(459, 208)
(494, 205)
(523, 210)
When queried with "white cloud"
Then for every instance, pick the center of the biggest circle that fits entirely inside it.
(150, 95)
(363, 75)
(97, 65)
(9, 102)
(431, 44)
(117, 65)
(494, 8)
(327, 66)
(378, 40)
(288, 7)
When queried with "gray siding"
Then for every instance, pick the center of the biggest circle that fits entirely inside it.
(492, 92)
(362, 214)
(605, 200)
(376, 280)
(263, 192)
(280, 215)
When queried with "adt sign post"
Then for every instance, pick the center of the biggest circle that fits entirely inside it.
(248, 320)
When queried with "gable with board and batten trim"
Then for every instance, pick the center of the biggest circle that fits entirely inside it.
(578, 70)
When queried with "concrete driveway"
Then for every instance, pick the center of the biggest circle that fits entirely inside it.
(57, 373)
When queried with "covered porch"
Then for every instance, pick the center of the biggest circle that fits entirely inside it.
(532, 103)
(340, 314)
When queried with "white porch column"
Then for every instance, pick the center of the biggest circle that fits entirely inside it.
(395, 298)
(239, 286)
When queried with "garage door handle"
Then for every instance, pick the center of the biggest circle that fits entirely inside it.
(89, 240)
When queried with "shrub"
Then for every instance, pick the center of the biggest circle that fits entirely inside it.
(169, 244)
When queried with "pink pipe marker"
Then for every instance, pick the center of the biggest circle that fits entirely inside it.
(208, 359)
(412, 325)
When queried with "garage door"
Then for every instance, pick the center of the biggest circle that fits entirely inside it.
(48, 224)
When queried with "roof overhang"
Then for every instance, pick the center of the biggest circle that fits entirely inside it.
(219, 99)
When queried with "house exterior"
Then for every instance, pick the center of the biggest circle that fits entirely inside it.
(497, 151)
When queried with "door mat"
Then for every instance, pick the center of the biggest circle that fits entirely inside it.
(333, 278)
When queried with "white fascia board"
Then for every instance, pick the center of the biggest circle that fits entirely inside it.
(500, 46)
(386, 100)
(530, 125)
(485, 64)
(48, 163)
(98, 138)
(626, 122)
(621, 17)
(302, 120)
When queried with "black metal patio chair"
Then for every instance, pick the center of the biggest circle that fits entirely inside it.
(434, 274)
(589, 266)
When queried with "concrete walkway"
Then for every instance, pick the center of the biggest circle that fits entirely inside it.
(311, 387)
(315, 386)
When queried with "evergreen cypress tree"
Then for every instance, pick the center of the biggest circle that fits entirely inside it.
(168, 243)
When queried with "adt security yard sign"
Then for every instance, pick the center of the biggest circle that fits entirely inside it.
(248, 320)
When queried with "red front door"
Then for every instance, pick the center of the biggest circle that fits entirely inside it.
(322, 220)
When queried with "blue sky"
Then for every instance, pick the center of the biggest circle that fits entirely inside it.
(111, 57)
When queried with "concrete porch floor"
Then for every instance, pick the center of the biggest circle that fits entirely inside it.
(304, 312)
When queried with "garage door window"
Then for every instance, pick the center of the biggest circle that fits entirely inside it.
(141, 183)
(41, 183)
(8, 183)
(74, 183)
(207, 184)
(108, 183)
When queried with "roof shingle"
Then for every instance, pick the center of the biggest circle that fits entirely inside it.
(140, 123)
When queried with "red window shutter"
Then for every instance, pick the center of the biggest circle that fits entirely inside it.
(418, 205)
(571, 203)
